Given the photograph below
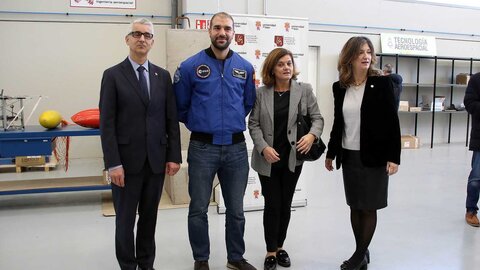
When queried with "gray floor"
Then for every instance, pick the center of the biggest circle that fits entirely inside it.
(423, 227)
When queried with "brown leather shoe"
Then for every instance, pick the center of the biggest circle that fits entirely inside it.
(472, 219)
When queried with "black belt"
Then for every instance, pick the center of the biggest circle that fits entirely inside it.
(208, 138)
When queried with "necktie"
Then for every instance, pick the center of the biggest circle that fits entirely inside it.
(143, 81)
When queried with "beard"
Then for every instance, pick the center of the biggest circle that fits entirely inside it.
(221, 47)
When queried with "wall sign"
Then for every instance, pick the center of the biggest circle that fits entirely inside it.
(126, 4)
(408, 44)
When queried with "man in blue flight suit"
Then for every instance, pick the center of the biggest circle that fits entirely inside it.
(215, 91)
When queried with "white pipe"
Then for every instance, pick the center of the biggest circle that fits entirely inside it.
(33, 109)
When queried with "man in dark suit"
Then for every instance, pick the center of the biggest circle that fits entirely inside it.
(140, 141)
(397, 81)
(472, 104)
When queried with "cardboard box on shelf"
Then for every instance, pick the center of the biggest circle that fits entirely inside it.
(22, 161)
(462, 78)
(403, 106)
(415, 109)
(410, 142)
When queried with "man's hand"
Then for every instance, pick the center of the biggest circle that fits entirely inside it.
(172, 168)
(117, 176)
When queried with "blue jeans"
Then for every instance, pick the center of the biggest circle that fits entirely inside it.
(473, 186)
(230, 163)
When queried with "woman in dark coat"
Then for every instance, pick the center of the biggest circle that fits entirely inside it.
(365, 140)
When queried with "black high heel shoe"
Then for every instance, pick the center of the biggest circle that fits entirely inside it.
(347, 265)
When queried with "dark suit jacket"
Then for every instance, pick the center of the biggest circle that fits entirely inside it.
(397, 81)
(379, 127)
(472, 104)
(134, 128)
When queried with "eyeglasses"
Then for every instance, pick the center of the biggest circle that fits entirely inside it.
(138, 34)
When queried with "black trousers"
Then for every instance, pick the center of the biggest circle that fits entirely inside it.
(278, 190)
(142, 191)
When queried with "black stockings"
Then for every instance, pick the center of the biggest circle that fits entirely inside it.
(364, 223)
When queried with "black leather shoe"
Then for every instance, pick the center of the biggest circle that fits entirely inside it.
(240, 265)
(201, 265)
(148, 268)
(283, 259)
(347, 265)
(270, 263)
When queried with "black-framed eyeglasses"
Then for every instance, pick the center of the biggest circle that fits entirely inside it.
(138, 34)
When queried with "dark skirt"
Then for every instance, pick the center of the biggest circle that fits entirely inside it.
(366, 188)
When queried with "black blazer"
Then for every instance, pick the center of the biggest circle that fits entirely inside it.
(472, 104)
(132, 127)
(379, 127)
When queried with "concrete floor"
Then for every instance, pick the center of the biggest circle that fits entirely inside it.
(423, 227)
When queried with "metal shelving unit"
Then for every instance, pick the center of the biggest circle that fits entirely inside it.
(435, 86)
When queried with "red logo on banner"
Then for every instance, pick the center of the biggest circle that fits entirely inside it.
(278, 41)
(287, 26)
(240, 39)
(258, 24)
(257, 54)
(202, 24)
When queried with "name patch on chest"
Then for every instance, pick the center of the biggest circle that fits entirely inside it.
(203, 71)
(238, 73)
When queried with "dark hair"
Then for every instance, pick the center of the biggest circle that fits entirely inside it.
(387, 69)
(269, 64)
(348, 54)
(222, 14)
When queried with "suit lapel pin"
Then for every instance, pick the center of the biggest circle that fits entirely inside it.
(156, 74)
(371, 85)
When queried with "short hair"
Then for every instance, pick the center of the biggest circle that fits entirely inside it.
(268, 78)
(143, 21)
(348, 54)
(222, 14)
(387, 69)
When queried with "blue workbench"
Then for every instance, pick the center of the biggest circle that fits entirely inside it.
(37, 141)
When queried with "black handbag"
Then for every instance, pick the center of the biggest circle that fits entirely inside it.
(304, 123)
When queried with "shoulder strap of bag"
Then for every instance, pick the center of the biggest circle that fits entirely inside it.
(300, 103)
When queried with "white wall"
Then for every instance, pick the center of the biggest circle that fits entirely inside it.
(63, 57)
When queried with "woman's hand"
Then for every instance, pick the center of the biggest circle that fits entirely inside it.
(270, 155)
(329, 164)
(305, 143)
(392, 168)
